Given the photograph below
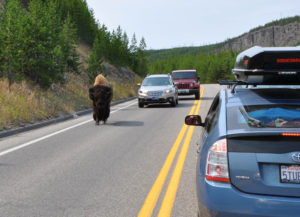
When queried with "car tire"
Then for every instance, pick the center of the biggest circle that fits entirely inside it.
(197, 95)
(173, 103)
(141, 105)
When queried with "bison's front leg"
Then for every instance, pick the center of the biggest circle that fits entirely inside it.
(95, 116)
(94, 110)
(98, 115)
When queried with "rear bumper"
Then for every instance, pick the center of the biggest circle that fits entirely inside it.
(188, 91)
(223, 200)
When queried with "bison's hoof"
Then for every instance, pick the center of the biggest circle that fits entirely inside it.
(97, 123)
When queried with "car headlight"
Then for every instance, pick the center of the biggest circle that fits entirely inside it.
(168, 91)
(143, 91)
(192, 84)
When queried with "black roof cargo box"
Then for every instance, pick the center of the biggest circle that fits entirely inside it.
(268, 65)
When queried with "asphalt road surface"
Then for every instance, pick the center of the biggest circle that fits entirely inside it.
(141, 163)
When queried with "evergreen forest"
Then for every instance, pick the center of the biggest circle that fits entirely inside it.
(210, 67)
(39, 40)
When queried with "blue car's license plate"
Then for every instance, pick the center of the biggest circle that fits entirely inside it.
(154, 98)
(290, 174)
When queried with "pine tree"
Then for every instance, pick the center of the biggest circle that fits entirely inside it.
(68, 41)
(125, 50)
(133, 47)
(95, 60)
(133, 53)
(141, 58)
(50, 44)
(12, 40)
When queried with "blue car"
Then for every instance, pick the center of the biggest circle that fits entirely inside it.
(249, 154)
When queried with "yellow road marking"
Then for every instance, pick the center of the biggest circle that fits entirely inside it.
(151, 199)
(168, 201)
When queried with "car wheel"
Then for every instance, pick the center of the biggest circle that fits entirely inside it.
(173, 103)
(141, 105)
(197, 95)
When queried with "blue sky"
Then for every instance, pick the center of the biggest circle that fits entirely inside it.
(177, 23)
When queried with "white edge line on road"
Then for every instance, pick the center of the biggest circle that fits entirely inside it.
(55, 133)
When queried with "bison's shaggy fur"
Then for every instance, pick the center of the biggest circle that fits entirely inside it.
(101, 97)
(101, 80)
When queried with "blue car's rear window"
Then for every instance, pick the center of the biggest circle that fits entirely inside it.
(270, 116)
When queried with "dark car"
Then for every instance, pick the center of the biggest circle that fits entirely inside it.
(249, 153)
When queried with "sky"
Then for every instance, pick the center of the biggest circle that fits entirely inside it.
(180, 23)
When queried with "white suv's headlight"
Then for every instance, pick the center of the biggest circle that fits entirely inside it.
(143, 91)
(169, 91)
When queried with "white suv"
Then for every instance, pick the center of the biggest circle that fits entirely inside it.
(158, 89)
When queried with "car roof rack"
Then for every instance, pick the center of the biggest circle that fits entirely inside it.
(232, 84)
(268, 65)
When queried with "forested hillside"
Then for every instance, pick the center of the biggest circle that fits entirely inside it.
(214, 62)
(50, 53)
(210, 67)
(291, 37)
(39, 40)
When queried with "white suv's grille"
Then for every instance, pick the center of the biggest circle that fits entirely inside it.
(155, 93)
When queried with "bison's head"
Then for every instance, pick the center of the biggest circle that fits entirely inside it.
(101, 95)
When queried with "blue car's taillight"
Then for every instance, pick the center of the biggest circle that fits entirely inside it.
(290, 134)
(217, 162)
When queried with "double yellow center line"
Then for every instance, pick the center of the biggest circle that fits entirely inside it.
(153, 195)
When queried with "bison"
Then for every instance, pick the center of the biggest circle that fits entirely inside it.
(101, 95)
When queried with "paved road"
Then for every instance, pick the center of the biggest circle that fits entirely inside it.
(75, 168)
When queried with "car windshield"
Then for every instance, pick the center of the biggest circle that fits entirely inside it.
(157, 81)
(184, 75)
(270, 116)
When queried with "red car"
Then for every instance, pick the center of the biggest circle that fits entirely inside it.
(187, 82)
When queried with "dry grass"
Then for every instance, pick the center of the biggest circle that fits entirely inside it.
(83, 49)
(24, 103)
(123, 90)
(20, 105)
(27, 103)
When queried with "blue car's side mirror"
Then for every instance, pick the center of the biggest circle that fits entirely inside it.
(194, 120)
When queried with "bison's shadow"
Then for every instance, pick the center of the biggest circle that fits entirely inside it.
(127, 123)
